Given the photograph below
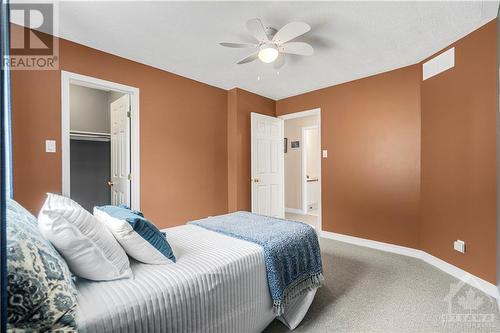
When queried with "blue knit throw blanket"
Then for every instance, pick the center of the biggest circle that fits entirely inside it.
(291, 251)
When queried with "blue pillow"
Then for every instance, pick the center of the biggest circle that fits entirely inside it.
(142, 227)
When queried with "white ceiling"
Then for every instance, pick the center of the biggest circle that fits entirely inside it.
(351, 39)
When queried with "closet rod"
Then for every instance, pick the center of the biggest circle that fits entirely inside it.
(89, 136)
(89, 133)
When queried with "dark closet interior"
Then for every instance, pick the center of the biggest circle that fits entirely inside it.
(90, 172)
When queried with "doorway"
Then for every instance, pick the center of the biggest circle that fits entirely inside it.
(310, 169)
(302, 166)
(100, 142)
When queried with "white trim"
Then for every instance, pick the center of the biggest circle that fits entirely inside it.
(283, 204)
(301, 114)
(303, 172)
(485, 286)
(462, 275)
(68, 78)
(294, 211)
(406, 251)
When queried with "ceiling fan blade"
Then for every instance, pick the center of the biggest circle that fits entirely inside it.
(249, 58)
(298, 48)
(279, 62)
(238, 45)
(256, 28)
(290, 31)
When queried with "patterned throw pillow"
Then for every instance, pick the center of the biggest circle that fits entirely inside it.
(139, 237)
(41, 293)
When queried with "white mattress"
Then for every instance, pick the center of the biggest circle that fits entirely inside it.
(218, 284)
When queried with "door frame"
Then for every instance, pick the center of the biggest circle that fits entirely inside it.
(301, 114)
(68, 78)
(304, 166)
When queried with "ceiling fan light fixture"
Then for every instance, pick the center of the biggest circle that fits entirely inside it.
(268, 53)
(271, 46)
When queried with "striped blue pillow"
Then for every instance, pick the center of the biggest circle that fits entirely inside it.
(142, 227)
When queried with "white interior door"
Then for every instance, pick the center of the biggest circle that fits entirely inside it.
(120, 151)
(267, 165)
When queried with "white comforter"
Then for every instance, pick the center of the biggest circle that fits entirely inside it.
(218, 284)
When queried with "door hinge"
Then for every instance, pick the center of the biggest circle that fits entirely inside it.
(129, 176)
(129, 114)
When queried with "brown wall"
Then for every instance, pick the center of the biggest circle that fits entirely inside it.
(459, 156)
(183, 135)
(409, 162)
(240, 104)
(371, 178)
(377, 142)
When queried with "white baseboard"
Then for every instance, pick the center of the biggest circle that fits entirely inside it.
(477, 282)
(294, 211)
(483, 285)
(406, 251)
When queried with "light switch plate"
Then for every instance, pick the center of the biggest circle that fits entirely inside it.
(50, 146)
(325, 153)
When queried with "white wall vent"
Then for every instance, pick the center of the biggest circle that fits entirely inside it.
(439, 64)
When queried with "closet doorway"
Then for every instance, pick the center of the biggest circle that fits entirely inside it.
(100, 142)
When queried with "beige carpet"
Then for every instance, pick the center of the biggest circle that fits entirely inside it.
(372, 291)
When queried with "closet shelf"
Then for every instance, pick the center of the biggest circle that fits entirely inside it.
(89, 136)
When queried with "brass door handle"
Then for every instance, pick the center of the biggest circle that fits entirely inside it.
(110, 183)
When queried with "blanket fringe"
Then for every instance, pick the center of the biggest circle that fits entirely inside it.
(310, 283)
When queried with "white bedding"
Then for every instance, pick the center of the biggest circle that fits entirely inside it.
(218, 284)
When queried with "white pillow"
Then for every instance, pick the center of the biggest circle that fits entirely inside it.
(133, 243)
(88, 247)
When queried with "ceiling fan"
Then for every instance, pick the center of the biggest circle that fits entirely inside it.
(272, 44)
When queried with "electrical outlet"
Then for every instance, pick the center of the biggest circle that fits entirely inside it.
(459, 246)
(325, 153)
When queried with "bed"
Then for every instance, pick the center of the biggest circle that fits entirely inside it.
(217, 285)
